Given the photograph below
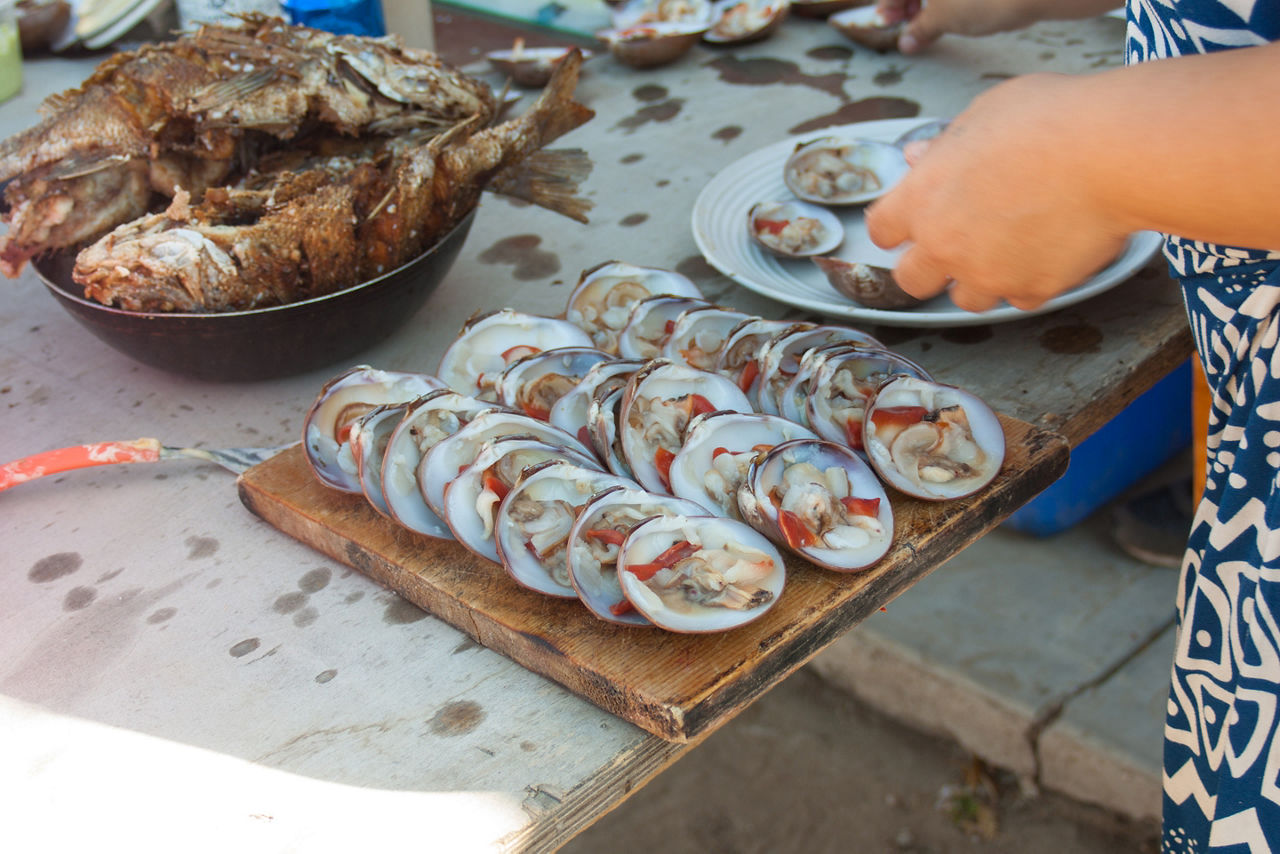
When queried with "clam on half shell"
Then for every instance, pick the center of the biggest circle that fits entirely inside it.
(659, 402)
(327, 425)
(718, 451)
(594, 541)
(843, 171)
(866, 26)
(533, 522)
(931, 440)
(821, 501)
(700, 573)
(866, 284)
(794, 229)
(602, 301)
(473, 363)
(742, 21)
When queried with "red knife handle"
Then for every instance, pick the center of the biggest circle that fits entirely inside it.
(78, 457)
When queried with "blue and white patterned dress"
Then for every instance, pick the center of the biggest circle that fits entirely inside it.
(1222, 727)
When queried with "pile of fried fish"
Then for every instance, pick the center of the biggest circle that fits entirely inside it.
(260, 163)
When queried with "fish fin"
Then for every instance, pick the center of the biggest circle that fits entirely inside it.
(227, 91)
(548, 179)
(556, 102)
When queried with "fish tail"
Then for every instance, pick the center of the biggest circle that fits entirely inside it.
(549, 179)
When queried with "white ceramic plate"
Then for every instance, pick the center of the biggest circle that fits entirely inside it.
(720, 230)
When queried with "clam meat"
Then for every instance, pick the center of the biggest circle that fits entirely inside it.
(534, 519)
(794, 229)
(427, 420)
(572, 412)
(779, 357)
(473, 363)
(650, 322)
(698, 334)
(822, 501)
(601, 302)
(740, 21)
(659, 402)
(840, 171)
(326, 429)
(471, 500)
(737, 359)
(931, 440)
(441, 464)
(535, 383)
(718, 450)
(699, 573)
(596, 537)
(843, 383)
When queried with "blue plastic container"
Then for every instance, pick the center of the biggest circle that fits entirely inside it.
(1147, 434)
(353, 18)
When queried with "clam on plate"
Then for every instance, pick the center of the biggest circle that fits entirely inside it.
(722, 206)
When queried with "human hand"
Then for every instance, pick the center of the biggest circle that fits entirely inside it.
(1000, 206)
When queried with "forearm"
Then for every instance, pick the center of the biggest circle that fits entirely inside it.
(1186, 146)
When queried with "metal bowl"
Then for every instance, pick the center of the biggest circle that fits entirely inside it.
(261, 343)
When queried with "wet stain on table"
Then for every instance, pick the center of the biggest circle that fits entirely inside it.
(727, 134)
(968, 334)
(830, 52)
(868, 109)
(769, 71)
(55, 566)
(633, 219)
(201, 547)
(1072, 340)
(457, 718)
(663, 111)
(522, 253)
(244, 647)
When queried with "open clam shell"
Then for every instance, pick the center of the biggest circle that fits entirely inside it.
(698, 334)
(649, 324)
(931, 440)
(659, 402)
(441, 464)
(866, 284)
(821, 501)
(843, 171)
(529, 66)
(427, 420)
(471, 499)
(926, 131)
(780, 356)
(631, 13)
(652, 45)
(699, 573)
(602, 300)
(868, 27)
(594, 541)
(742, 21)
(842, 385)
(474, 361)
(794, 229)
(532, 526)
(602, 428)
(327, 425)
(737, 359)
(535, 383)
(369, 437)
(718, 450)
(572, 412)
(793, 396)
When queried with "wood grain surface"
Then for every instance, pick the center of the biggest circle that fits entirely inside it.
(679, 687)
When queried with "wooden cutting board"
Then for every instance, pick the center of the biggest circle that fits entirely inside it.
(678, 687)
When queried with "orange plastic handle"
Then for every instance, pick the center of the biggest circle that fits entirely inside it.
(78, 457)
